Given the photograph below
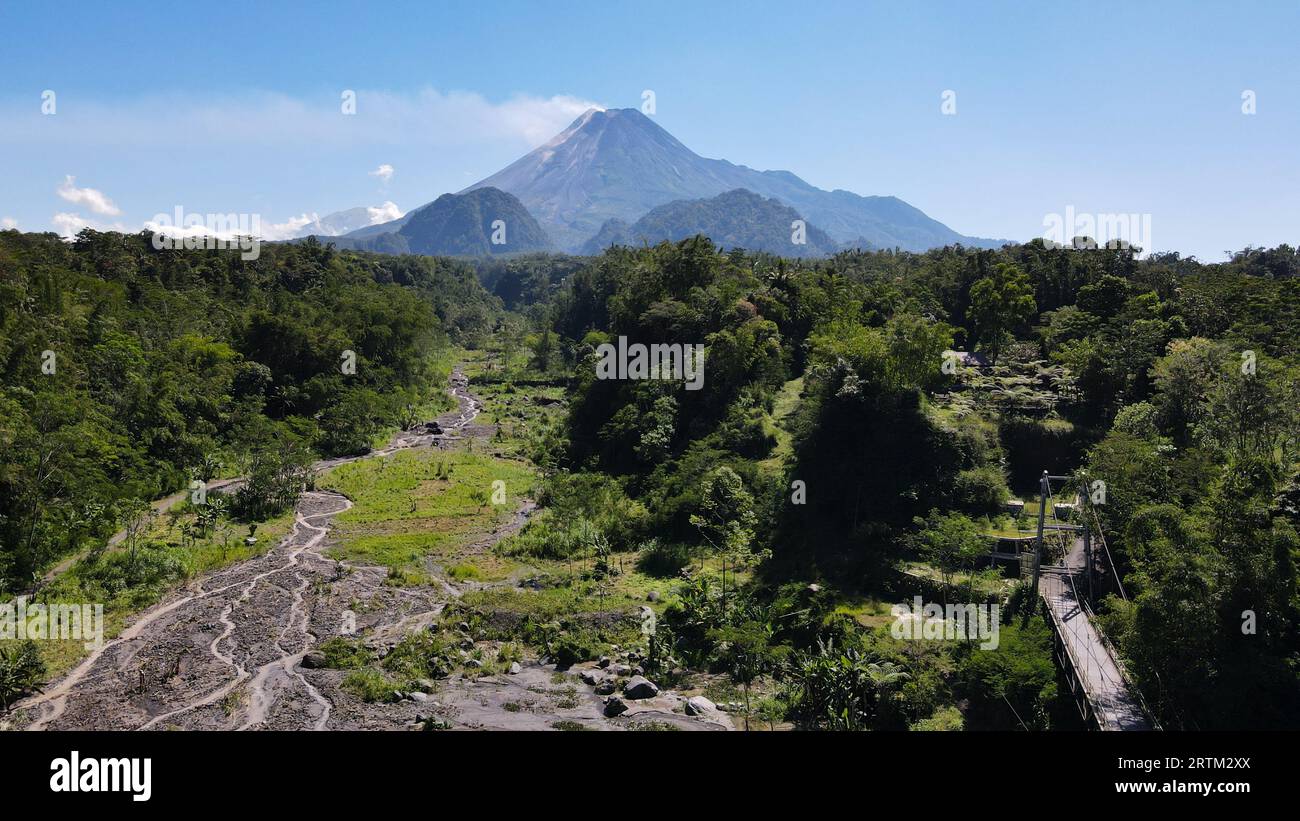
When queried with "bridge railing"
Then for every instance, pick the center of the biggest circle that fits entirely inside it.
(1081, 667)
(1091, 664)
(1125, 677)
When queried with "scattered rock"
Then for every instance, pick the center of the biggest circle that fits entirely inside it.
(620, 670)
(638, 670)
(515, 669)
(419, 697)
(590, 677)
(615, 706)
(699, 706)
(604, 661)
(426, 685)
(314, 660)
(605, 688)
(640, 687)
(474, 663)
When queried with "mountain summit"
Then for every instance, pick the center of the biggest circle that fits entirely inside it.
(482, 222)
(619, 164)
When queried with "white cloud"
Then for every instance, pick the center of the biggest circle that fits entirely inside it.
(9, 222)
(383, 172)
(384, 213)
(422, 118)
(70, 224)
(232, 226)
(93, 199)
(287, 230)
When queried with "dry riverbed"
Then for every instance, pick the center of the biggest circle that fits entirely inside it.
(226, 652)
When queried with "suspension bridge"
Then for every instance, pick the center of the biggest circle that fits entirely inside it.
(1096, 675)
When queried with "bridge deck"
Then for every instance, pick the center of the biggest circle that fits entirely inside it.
(1107, 691)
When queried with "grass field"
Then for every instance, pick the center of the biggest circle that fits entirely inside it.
(416, 505)
(786, 401)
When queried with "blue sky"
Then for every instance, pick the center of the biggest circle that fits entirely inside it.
(234, 107)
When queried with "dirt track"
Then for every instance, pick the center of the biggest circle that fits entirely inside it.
(225, 652)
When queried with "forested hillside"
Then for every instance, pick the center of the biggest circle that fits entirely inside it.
(130, 371)
(864, 426)
(733, 219)
(830, 445)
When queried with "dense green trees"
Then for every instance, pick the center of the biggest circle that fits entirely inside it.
(1169, 380)
(827, 441)
(128, 370)
(999, 304)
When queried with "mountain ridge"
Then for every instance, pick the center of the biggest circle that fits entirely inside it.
(482, 222)
(618, 163)
(733, 219)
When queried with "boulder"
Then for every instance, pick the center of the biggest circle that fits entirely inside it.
(314, 660)
(605, 688)
(699, 706)
(615, 706)
(640, 687)
(515, 669)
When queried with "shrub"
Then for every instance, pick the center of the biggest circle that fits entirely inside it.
(463, 571)
(144, 576)
(21, 669)
(945, 719)
(663, 559)
(368, 684)
(508, 653)
(421, 655)
(344, 654)
(568, 726)
(980, 490)
(571, 647)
